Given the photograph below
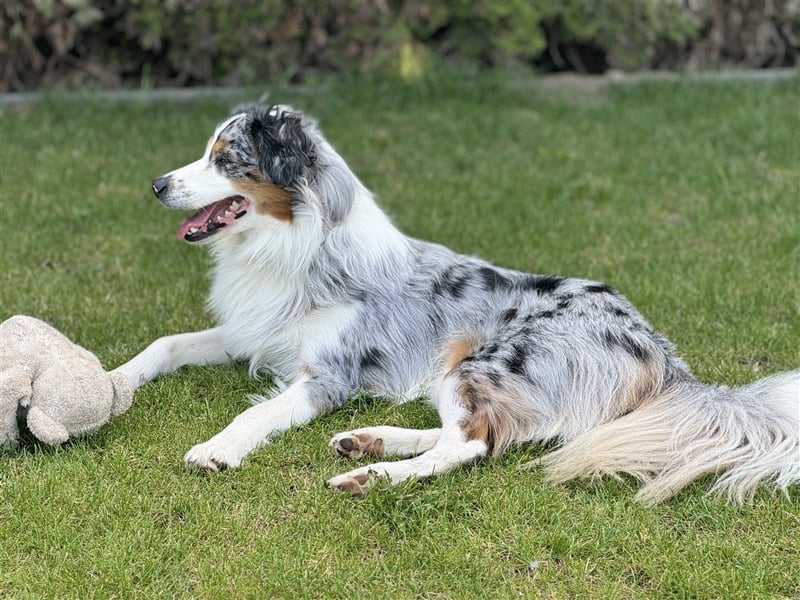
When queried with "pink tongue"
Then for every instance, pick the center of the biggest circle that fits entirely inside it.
(208, 213)
(197, 220)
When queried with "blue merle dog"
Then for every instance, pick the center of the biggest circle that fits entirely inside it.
(314, 284)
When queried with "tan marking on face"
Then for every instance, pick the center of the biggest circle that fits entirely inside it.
(268, 198)
(219, 146)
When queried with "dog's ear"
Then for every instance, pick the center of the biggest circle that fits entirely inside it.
(285, 154)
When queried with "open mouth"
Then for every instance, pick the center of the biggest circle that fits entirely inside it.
(212, 218)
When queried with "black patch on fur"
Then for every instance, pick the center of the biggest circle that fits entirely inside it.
(619, 312)
(487, 352)
(564, 302)
(509, 315)
(450, 283)
(627, 343)
(635, 349)
(543, 284)
(545, 314)
(284, 152)
(373, 358)
(599, 288)
(609, 340)
(494, 377)
(493, 280)
(456, 287)
(516, 362)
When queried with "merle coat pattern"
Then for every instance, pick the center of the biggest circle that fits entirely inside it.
(313, 284)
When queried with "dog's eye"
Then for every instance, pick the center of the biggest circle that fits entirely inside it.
(222, 159)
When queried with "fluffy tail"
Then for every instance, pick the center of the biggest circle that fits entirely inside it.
(746, 435)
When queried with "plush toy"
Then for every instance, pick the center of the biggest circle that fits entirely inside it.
(60, 386)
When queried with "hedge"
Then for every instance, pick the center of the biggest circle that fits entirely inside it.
(114, 43)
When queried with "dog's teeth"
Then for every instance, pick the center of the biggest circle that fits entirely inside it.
(234, 205)
(194, 229)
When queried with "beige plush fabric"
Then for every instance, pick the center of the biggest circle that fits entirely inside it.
(62, 386)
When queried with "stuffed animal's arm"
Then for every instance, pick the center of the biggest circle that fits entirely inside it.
(123, 393)
(15, 391)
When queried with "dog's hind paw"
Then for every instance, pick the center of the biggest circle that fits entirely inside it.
(354, 484)
(355, 444)
(212, 456)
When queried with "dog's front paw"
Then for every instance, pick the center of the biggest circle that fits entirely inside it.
(355, 444)
(212, 456)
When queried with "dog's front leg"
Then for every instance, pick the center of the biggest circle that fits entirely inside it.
(171, 352)
(254, 427)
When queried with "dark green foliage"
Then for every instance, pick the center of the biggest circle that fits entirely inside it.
(112, 43)
(634, 35)
(485, 31)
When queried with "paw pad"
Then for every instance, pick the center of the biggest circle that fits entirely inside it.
(355, 485)
(356, 445)
(346, 444)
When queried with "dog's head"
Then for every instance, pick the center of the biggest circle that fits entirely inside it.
(261, 163)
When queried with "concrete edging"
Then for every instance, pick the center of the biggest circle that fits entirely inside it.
(558, 82)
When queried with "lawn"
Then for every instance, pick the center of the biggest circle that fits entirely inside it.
(684, 196)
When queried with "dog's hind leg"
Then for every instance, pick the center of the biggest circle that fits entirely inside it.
(451, 449)
(384, 440)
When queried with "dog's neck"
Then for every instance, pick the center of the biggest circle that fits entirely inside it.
(295, 267)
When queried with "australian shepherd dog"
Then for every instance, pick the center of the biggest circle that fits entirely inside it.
(313, 284)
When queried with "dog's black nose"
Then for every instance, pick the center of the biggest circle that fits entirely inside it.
(160, 186)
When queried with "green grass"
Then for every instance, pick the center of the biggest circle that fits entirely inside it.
(683, 196)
